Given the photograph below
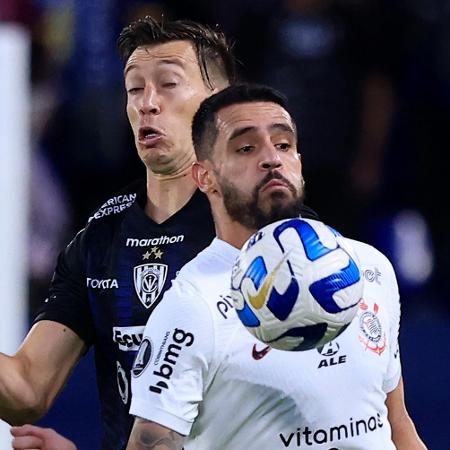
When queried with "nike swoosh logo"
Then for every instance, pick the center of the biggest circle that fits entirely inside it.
(259, 354)
(259, 299)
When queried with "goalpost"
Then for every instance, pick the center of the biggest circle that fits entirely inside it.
(14, 185)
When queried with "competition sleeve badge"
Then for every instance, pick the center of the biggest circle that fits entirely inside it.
(149, 281)
(143, 357)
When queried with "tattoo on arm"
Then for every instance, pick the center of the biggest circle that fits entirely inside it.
(152, 436)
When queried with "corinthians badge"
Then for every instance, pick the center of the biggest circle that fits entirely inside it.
(371, 332)
(148, 282)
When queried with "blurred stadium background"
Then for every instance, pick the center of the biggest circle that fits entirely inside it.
(369, 82)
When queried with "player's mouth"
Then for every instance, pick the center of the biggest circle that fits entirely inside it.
(275, 184)
(149, 136)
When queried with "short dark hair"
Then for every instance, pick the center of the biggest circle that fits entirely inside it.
(204, 129)
(211, 46)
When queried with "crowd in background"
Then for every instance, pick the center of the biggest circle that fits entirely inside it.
(368, 81)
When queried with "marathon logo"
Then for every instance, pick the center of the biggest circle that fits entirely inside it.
(114, 205)
(161, 240)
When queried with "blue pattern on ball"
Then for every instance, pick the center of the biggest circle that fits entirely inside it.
(324, 289)
(247, 316)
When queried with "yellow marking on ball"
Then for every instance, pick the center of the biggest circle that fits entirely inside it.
(259, 299)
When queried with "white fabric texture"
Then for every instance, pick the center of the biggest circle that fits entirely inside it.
(207, 377)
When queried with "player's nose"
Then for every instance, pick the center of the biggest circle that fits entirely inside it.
(150, 101)
(270, 157)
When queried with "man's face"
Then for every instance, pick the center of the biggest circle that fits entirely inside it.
(256, 164)
(164, 90)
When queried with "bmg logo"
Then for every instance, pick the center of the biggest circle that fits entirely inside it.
(180, 339)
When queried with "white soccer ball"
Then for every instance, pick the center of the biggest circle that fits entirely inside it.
(296, 284)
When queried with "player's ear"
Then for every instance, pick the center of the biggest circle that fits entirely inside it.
(201, 173)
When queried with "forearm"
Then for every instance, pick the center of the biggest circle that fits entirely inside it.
(31, 379)
(405, 436)
(19, 402)
(147, 435)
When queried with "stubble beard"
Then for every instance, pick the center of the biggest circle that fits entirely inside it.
(246, 210)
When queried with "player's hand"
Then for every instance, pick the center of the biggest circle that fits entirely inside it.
(30, 437)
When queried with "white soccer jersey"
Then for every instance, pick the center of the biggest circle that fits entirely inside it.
(202, 374)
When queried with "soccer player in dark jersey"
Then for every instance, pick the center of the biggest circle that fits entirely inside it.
(114, 272)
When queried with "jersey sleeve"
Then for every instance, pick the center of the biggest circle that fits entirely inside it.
(393, 373)
(171, 366)
(67, 302)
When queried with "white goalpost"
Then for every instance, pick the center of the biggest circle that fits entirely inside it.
(14, 185)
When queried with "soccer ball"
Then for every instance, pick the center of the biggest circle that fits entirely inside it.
(296, 284)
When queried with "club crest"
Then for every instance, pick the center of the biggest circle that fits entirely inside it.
(149, 280)
(371, 334)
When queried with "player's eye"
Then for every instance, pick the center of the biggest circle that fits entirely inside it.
(283, 146)
(134, 90)
(169, 84)
(245, 149)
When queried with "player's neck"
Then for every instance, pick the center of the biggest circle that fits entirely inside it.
(230, 231)
(167, 194)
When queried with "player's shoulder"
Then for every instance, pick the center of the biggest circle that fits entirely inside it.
(105, 219)
(374, 264)
(207, 275)
(185, 299)
(213, 261)
(113, 208)
(368, 255)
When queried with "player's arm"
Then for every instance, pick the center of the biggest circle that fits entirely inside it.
(171, 368)
(147, 435)
(404, 432)
(31, 379)
(30, 437)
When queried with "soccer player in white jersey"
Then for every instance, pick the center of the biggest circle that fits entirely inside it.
(200, 380)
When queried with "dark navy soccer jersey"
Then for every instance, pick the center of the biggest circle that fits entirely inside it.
(108, 281)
